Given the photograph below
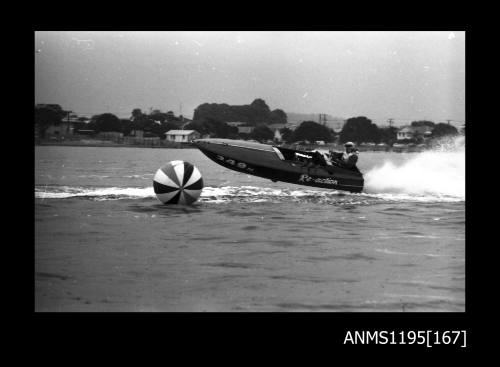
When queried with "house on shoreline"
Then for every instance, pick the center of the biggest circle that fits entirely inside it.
(413, 132)
(182, 136)
(70, 126)
(60, 130)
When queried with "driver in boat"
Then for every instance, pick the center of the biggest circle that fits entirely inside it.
(349, 158)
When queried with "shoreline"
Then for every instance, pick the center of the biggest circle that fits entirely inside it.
(109, 144)
(173, 145)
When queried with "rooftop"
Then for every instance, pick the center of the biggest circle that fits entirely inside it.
(180, 132)
(415, 129)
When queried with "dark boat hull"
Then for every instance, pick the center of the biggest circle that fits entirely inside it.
(275, 163)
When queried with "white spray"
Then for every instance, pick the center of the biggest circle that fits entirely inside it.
(436, 172)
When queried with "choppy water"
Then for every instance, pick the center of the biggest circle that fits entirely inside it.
(104, 242)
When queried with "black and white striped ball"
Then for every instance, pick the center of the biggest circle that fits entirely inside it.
(178, 182)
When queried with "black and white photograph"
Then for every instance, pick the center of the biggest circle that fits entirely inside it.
(249, 171)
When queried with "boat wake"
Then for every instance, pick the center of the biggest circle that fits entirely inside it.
(231, 194)
(439, 172)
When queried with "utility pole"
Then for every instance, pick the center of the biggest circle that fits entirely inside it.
(390, 121)
(448, 122)
(322, 119)
(67, 127)
(180, 114)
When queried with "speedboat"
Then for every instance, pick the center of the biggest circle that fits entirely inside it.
(308, 168)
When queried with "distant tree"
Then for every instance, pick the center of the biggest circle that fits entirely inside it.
(388, 135)
(442, 129)
(158, 129)
(312, 131)
(287, 134)
(261, 133)
(221, 129)
(54, 107)
(167, 126)
(170, 116)
(44, 117)
(157, 115)
(196, 125)
(360, 129)
(259, 112)
(126, 126)
(260, 104)
(256, 113)
(108, 122)
(136, 113)
(142, 122)
(278, 117)
(213, 127)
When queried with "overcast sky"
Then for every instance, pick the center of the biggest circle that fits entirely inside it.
(403, 75)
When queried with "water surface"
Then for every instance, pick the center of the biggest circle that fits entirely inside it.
(105, 243)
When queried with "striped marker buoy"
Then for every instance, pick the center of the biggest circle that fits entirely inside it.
(178, 182)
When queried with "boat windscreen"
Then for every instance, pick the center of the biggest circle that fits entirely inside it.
(285, 154)
(278, 153)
